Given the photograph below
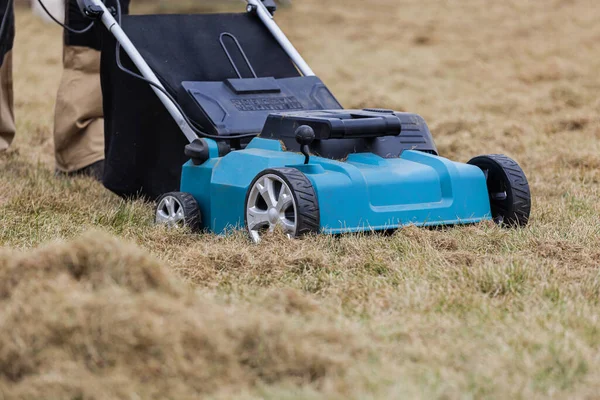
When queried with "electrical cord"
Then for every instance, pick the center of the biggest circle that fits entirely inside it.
(68, 28)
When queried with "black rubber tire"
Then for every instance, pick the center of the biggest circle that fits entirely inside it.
(191, 210)
(504, 175)
(305, 197)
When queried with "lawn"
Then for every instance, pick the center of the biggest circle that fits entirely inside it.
(98, 303)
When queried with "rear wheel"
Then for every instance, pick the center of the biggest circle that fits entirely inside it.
(178, 209)
(281, 197)
(510, 197)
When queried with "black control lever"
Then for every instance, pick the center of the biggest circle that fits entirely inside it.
(269, 4)
(89, 9)
(305, 135)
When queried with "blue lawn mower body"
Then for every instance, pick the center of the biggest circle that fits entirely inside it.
(364, 193)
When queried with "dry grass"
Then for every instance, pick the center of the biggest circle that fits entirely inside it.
(455, 313)
(97, 319)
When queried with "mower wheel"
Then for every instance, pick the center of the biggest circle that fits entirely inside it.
(281, 197)
(178, 209)
(510, 197)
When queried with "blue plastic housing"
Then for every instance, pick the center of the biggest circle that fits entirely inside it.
(364, 193)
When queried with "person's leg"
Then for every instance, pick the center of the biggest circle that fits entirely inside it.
(7, 116)
(79, 123)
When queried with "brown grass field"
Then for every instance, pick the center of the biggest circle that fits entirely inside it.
(97, 303)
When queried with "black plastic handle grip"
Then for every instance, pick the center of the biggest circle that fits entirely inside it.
(366, 127)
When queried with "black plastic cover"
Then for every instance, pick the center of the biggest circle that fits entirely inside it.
(373, 133)
(240, 106)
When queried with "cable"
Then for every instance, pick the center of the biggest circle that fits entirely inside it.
(11, 3)
(75, 31)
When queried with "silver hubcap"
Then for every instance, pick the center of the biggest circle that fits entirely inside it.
(170, 212)
(270, 204)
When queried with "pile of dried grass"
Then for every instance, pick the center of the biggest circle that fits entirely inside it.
(95, 318)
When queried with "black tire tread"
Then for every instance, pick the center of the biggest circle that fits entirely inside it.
(521, 206)
(309, 216)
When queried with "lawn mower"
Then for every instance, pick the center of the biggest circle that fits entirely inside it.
(268, 145)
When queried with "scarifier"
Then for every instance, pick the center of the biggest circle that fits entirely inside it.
(268, 144)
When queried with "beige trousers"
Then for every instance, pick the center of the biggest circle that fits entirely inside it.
(7, 115)
(79, 122)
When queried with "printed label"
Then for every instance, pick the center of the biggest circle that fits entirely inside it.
(267, 104)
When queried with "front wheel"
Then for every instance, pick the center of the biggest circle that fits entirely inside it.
(178, 209)
(510, 197)
(281, 197)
